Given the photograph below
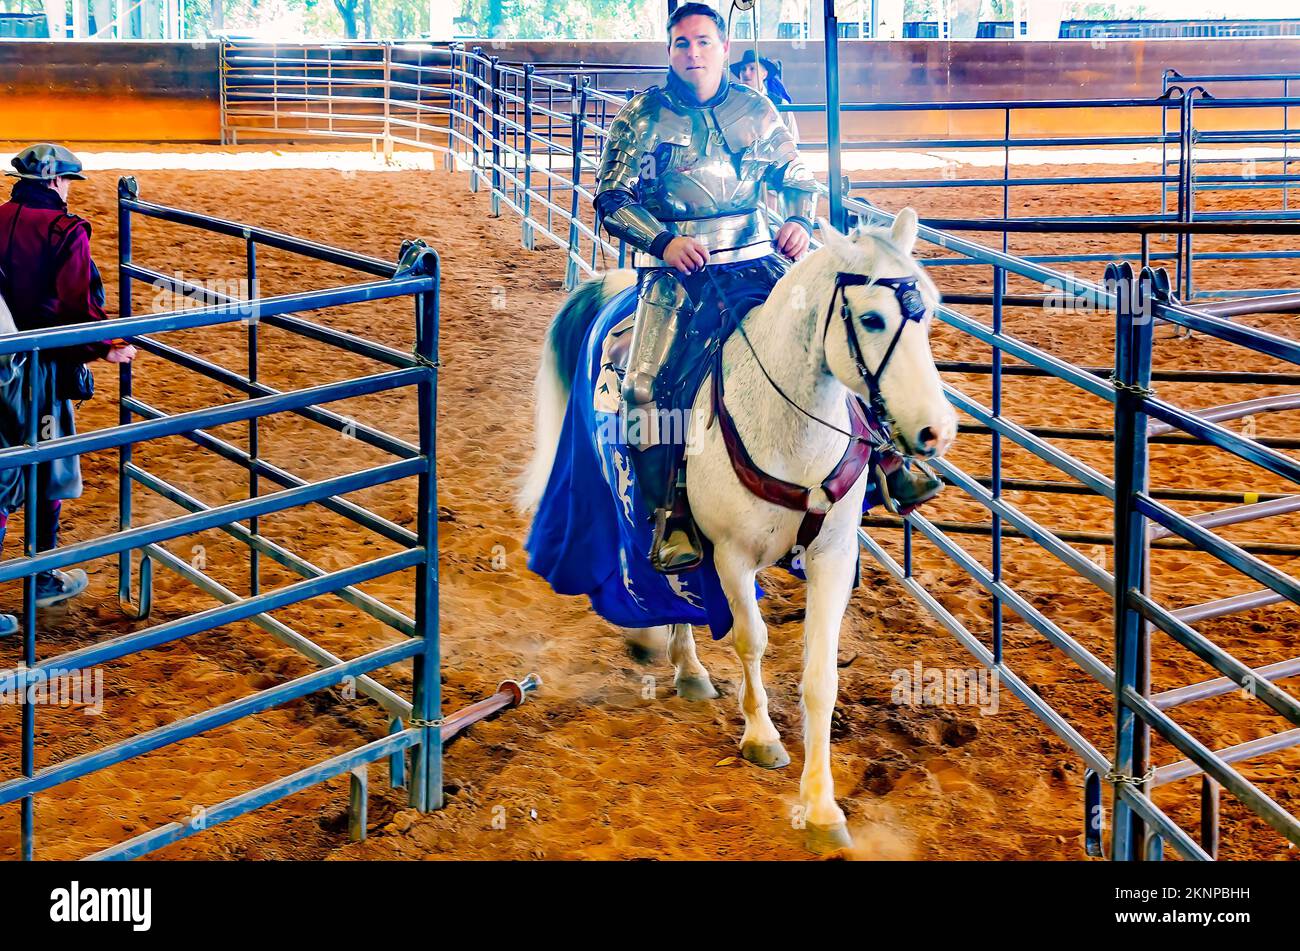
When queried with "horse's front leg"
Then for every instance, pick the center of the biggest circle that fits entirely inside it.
(760, 744)
(830, 571)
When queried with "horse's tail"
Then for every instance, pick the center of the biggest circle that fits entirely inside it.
(565, 341)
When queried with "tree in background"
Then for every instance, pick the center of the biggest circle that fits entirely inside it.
(561, 19)
(1106, 11)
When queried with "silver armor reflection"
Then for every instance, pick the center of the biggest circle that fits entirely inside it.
(675, 168)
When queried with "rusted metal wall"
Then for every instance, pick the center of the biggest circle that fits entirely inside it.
(109, 92)
(963, 70)
(923, 70)
(169, 91)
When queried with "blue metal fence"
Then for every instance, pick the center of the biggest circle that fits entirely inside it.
(1140, 829)
(494, 125)
(415, 724)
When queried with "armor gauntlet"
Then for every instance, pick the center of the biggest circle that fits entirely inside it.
(797, 194)
(788, 177)
(616, 180)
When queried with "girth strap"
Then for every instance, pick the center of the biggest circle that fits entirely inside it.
(815, 502)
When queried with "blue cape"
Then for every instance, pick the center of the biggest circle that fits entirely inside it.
(592, 530)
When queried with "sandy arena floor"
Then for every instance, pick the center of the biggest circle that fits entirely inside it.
(606, 762)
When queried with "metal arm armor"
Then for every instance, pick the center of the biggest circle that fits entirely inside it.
(797, 193)
(619, 173)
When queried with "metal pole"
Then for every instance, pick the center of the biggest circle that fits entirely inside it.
(1189, 105)
(475, 119)
(495, 104)
(1286, 145)
(577, 112)
(527, 203)
(995, 450)
(222, 78)
(126, 189)
(388, 101)
(254, 556)
(833, 173)
(1133, 344)
(31, 505)
(426, 701)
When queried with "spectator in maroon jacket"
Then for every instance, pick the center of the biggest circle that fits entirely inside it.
(48, 279)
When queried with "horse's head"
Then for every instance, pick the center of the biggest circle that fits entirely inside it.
(876, 332)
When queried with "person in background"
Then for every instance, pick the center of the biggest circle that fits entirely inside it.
(48, 279)
(763, 74)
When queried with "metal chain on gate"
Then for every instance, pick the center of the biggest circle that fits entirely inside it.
(416, 723)
(1129, 780)
(1136, 389)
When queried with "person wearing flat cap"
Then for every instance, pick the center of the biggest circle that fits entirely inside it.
(763, 74)
(48, 279)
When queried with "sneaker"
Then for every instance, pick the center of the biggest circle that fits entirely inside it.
(55, 587)
(8, 625)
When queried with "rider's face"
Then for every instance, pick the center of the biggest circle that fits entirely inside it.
(698, 55)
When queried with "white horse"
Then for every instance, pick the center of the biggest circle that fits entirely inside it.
(800, 340)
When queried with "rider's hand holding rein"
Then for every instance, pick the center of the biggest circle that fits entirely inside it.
(792, 240)
(686, 255)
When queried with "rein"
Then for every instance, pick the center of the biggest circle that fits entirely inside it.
(910, 305)
(868, 436)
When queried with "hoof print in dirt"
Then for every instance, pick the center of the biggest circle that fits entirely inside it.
(959, 732)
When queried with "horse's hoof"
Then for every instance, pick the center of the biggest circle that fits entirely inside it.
(768, 755)
(822, 840)
(696, 688)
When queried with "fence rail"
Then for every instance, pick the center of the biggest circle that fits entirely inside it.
(415, 727)
(531, 139)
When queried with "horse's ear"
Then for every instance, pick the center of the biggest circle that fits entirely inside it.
(836, 241)
(904, 232)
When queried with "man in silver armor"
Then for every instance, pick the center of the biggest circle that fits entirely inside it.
(681, 182)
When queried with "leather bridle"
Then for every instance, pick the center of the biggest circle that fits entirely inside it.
(911, 306)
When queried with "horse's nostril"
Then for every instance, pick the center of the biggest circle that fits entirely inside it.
(927, 438)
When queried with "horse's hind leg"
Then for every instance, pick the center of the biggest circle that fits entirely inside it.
(761, 744)
(646, 644)
(692, 681)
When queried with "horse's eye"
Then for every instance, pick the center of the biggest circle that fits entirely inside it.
(872, 321)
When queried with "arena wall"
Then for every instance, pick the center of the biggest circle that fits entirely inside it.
(137, 91)
(109, 92)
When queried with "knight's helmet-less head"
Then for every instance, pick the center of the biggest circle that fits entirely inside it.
(46, 163)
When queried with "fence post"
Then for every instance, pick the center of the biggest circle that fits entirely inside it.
(577, 113)
(1186, 184)
(225, 93)
(527, 228)
(388, 102)
(426, 700)
(1189, 105)
(254, 438)
(31, 488)
(127, 189)
(1133, 342)
(495, 103)
(475, 120)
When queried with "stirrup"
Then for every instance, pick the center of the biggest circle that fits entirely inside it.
(911, 489)
(676, 546)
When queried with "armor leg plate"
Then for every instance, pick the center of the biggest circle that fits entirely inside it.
(661, 307)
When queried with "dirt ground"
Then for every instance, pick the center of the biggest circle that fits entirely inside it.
(605, 762)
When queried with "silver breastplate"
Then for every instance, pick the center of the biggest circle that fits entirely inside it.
(694, 174)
